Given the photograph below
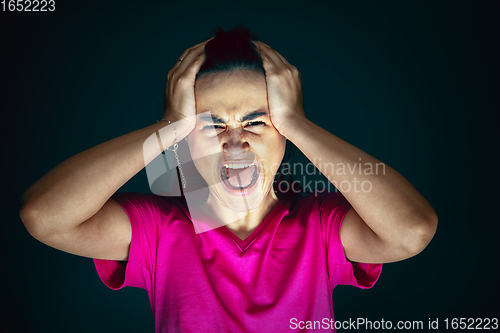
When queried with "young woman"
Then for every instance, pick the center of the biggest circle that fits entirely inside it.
(246, 258)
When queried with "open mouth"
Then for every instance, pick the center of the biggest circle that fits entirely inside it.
(239, 176)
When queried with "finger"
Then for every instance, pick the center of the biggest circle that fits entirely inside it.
(191, 56)
(190, 74)
(269, 58)
(187, 57)
(273, 51)
(282, 58)
(181, 58)
(194, 47)
(195, 66)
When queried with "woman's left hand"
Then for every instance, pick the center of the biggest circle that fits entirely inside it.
(284, 88)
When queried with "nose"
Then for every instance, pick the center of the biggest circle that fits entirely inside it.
(234, 143)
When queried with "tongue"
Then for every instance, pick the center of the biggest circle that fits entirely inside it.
(245, 176)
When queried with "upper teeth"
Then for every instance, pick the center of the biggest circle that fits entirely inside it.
(237, 165)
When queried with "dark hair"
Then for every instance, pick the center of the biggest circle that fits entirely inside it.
(230, 51)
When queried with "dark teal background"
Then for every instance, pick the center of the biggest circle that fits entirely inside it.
(415, 84)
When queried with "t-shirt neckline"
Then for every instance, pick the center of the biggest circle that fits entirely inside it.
(244, 244)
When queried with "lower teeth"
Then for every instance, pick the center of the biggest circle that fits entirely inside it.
(225, 179)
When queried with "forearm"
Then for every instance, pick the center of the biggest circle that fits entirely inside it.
(382, 197)
(77, 188)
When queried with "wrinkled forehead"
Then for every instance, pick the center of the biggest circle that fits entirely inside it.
(228, 92)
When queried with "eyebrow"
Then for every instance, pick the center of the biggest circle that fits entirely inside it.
(250, 116)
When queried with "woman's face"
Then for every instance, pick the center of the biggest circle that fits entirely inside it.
(234, 145)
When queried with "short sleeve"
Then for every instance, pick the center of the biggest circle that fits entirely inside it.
(146, 212)
(333, 208)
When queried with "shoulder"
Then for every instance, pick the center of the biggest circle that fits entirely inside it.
(326, 208)
(323, 201)
(152, 209)
(149, 200)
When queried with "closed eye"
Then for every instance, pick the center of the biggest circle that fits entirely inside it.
(212, 126)
(255, 123)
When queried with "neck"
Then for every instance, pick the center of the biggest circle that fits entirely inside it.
(241, 223)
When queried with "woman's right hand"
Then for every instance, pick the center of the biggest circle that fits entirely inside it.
(179, 103)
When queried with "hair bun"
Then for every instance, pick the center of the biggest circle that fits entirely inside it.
(231, 50)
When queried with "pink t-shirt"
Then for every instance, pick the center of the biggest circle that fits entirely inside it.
(283, 273)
